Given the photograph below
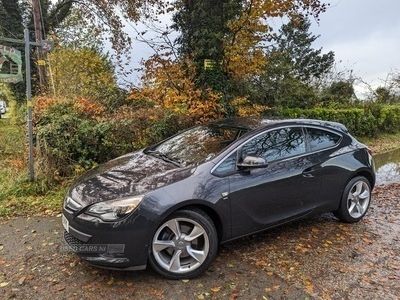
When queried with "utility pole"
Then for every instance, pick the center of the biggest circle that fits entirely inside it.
(41, 63)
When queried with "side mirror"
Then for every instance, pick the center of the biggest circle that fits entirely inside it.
(252, 162)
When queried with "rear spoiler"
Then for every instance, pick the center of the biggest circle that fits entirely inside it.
(337, 126)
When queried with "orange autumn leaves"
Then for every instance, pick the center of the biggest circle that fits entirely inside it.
(244, 46)
(89, 108)
(171, 85)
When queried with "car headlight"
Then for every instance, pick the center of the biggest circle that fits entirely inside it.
(114, 209)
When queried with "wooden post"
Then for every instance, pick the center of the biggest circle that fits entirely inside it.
(41, 66)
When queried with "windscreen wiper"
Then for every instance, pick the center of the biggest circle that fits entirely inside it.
(164, 157)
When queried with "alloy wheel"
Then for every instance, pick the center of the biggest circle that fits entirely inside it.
(180, 245)
(358, 199)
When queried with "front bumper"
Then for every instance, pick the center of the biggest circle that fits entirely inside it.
(120, 245)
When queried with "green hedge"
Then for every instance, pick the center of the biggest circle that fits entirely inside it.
(68, 140)
(361, 121)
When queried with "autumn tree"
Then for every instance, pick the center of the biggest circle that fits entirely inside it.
(233, 34)
(108, 16)
(245, 44)
(230, 35)
(13, 15)
(85, 73)
(172, 85)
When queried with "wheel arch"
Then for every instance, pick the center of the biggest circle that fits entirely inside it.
(367, 174)
(205, 208)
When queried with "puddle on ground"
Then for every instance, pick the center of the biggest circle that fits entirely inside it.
(387, 167)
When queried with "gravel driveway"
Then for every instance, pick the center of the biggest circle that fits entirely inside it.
(315, 258)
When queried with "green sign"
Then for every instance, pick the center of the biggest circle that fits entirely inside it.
(10, 65)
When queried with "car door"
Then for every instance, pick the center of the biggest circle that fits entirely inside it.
(322, 144)
(263, 197)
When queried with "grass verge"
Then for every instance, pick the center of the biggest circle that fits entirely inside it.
(383, 143)
(18, 196)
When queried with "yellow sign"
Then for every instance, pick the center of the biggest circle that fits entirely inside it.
(209, 64)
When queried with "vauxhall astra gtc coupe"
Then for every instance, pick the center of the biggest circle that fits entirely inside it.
(170, 205)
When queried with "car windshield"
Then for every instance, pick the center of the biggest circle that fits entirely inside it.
(197, 144)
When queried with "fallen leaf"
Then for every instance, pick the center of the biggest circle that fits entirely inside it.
(216, 289)
(61, 288)
(21, 280)
(4, 284)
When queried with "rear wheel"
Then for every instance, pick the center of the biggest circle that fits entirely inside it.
(184, 245)
(355, 200)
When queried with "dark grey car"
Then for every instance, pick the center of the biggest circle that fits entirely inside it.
(173, 203)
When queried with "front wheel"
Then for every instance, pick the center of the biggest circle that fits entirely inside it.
(184, 245)
(355, 200)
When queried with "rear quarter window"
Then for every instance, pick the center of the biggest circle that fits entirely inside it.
(320, 139)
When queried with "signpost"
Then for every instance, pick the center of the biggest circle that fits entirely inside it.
(29, 105)
(12, 57)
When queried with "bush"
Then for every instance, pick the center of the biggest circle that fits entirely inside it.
(70, 139)
(362, 121)
(387, 116)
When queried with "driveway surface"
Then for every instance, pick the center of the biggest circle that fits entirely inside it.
(317, 258)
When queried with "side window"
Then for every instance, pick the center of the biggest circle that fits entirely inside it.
(227, 166)
(277, 144)
(320, 139)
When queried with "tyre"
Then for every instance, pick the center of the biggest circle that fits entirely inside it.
(184, 245)
(355, 200)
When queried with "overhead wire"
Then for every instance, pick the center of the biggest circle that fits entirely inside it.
(8, 31)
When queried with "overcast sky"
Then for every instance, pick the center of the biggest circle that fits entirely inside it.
(364, 34)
